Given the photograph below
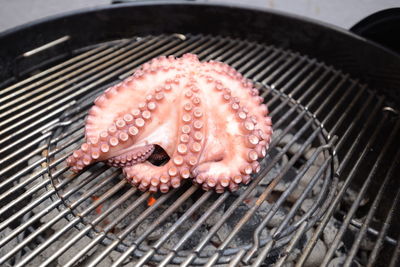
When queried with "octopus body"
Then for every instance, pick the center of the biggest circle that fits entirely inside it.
(178, 118)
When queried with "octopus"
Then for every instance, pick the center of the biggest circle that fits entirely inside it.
(177, 119)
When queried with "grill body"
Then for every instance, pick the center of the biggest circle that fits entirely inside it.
(329, 92)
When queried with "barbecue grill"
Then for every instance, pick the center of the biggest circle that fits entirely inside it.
(327, 191)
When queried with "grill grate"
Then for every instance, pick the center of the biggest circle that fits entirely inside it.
(330, 132)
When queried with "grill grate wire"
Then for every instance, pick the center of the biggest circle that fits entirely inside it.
(39, 114)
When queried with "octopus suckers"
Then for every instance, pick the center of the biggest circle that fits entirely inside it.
(175, 119)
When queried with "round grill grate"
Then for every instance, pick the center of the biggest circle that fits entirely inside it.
(96, 218)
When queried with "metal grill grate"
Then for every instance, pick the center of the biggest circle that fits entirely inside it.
(330, 132)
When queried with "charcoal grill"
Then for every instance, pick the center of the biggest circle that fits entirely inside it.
(334, 154)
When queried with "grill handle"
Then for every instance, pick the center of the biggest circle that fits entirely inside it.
(135, 1)
(381, 27)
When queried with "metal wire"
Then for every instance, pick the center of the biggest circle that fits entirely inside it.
(375, 204)
(43, 117)
(340, 194)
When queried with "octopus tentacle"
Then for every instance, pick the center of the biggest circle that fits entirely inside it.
(233, 164)
(223, 73)
(109, 139)
(121, 133)
(147, 176)
(189, 144)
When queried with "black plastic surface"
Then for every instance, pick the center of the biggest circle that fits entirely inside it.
(382, 27)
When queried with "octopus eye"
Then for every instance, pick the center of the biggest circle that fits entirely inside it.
(159, 156)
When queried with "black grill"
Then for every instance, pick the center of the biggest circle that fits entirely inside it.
(334, 157)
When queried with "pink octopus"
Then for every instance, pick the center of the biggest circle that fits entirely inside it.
(178, 118)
